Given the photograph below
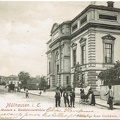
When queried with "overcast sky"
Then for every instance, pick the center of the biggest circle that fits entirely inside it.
(24, 30)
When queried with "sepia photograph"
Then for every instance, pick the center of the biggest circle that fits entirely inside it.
(59, 60)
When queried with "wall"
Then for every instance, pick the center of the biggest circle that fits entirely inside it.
(115, 88)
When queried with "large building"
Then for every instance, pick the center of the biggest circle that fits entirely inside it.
(89, 41)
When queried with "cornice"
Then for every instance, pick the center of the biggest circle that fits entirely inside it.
(94, 25)
(59, 40)
(95, 7)
(86, 27)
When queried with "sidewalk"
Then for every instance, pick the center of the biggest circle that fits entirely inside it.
(51, 94)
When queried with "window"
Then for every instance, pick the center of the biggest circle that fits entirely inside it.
(107, 17)
(49, 67)
(83, 20)
(74, 57)
(57, 68)
(108, 53)
(67, 80)
(108, 48)
(83, 54)
(74, 27)
(57, 55)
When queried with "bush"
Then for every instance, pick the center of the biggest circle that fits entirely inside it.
(2, 83)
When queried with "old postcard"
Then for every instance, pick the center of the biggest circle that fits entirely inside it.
(59, 60)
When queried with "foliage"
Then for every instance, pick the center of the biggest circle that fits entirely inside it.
(24, 77)
(2, 83)
(43, 83)
(77, 73)
(112, 75)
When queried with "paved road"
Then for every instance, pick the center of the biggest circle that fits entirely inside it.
(44, 103)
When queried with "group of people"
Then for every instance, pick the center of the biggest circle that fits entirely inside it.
(90, 95)
(69, 97)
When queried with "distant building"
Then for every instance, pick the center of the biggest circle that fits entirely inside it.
(14, 79)
(91, 39)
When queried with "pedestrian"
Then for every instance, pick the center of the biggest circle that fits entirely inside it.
(27, 93)
(82, 95)
(110, 97)
(92, 101)
(40, 92)
(66, 99)
(57, 97)
(44, 89)
(61, 91)
(72, 98)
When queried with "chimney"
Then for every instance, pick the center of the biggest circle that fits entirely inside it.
(110, 4)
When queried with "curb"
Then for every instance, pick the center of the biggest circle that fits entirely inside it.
(101, 105)
(107, 106)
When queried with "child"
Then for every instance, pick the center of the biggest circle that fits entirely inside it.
(27, 96)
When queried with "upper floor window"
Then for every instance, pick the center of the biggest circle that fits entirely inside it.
(57, 56)
(57, 68)
(107, 17)
(83, 50)
(108, 53)
(108, 48)
(74, 27)
(83, 54)
(74, 57)
(83, 20)
(49, 67)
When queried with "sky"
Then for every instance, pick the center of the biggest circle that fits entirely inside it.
(25, 29)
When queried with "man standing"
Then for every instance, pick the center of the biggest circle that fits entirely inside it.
(61, 90)
(65, 95)
(110, 97)
(57, 97)
(72, 98)
(27, 93)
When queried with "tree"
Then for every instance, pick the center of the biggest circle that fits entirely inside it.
(112, 75)
(24, 77)
(43, 83)
(77, 72)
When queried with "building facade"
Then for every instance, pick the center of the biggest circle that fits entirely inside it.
(89, 43)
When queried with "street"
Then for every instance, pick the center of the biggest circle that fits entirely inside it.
(44, 105)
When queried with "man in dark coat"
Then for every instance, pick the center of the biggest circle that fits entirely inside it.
(66, 99)
(57, 97)
(61, 91)
(92, 98)
(72, 98)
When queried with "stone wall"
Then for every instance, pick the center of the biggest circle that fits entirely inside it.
(116, 92)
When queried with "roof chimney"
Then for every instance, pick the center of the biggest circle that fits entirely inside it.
(110, 4)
